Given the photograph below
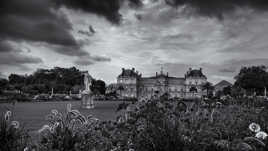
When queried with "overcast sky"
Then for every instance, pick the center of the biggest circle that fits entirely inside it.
(103, 36)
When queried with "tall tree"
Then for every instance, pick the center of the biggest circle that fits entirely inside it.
(227, 90)
(3, 84)
(208, 87)
(98, 86)
(253, 79)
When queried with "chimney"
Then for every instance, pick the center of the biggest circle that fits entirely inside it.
(201, 69)
(133, 69)
(156, 74)
(123, 69)
(167, 74)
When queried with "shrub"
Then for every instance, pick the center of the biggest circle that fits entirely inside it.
(158, 125)
(155, 125)
(72, 132)
(12, 136)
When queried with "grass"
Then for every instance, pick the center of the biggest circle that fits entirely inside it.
(32, 114)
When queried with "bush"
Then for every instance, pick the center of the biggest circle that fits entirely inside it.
(72, 132)
(12, 136)
(158, 125)
(155, 125)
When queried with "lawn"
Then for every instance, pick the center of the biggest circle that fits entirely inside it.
(32, 114)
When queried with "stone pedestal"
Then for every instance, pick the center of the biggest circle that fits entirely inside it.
(87, 101)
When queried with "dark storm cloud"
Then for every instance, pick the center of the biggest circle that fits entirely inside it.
(218, 7)
(37, 21)
(107, 8)
(34, 20)
(11, 56)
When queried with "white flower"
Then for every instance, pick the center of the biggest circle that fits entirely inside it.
(261, 135)
(69, 107)
(15, 124)
(254, 127)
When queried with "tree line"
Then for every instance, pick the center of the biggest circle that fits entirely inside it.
(61, 80)
(252, 80)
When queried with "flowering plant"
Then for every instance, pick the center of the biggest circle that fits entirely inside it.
(12, 136)
(71, 131)
(254, 127)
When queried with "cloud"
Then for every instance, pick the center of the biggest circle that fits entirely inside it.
(89, 60)
(39, 22)
(217, 8)
(2, 75)
(12, 56)
(106, 8)
(228, 70)
(34, 20)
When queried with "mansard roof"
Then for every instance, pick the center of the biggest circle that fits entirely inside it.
(129, 73)
(195, 73)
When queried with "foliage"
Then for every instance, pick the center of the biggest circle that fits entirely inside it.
(252, 79)
(12, 136)
(209, 88)
(98, 86)
(122, 106)
(41, 81)
(159, 125)
(72, 132)
(62, 80)
(227, 90)
(3, 84)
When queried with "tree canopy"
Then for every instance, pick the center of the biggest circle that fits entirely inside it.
(62, 80)
(253, 79)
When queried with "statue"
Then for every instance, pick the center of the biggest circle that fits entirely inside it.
(87, 96)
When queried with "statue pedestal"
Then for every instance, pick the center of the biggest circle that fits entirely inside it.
(87, 101)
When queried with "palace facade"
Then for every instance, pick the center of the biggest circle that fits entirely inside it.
(131, 84)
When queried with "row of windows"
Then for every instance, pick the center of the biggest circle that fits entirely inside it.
(161, 89)
(195, 82)
(127, 81)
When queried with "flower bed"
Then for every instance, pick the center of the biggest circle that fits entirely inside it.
(156, 125)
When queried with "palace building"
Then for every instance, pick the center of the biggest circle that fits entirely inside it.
(131, 84)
